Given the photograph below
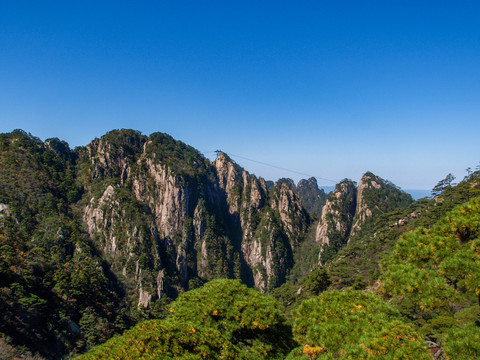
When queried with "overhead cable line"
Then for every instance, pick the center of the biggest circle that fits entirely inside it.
(273, 166)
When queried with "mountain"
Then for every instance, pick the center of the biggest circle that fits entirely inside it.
(350, 212)
(335, 224)
(357, 264)
(57, 293)
(167, 218)
(95, 239)
(311, 196)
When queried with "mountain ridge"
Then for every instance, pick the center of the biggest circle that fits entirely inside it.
(140, 219)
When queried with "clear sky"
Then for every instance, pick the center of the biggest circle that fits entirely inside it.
(329, 88)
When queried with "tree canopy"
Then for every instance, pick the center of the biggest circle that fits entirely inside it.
(353, 325)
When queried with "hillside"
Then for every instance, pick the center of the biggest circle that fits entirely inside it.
(426, 306)
(97, 239)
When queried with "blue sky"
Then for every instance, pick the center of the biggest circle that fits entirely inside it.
(328, 88)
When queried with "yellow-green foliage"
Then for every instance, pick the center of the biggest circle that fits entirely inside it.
(353, 325)
(248, 319)
(433, 273)
(164, 339)
(221, 320)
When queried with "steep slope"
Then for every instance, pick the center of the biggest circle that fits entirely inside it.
(154, 209)
(375, 197)
(311, 196)
(357, 264)
(350, 213)
(269, 225)
(167, 219)
(433, 276)
(335, 223)
(56, 293)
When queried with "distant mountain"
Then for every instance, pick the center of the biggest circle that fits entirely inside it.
(327, 189)
(312, 197)
(419, 194)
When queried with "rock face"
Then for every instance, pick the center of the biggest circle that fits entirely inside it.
(350, 212)
(268, 224)
(4, 211)
(313, 198)
(375, 197)
(165, 216)
(336, 221)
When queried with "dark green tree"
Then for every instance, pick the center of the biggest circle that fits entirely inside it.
(443, 184)
(317, 281)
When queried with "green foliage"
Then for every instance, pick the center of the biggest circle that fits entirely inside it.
(360, 259)
(353, 325)
(49, 272)
(251, 321)
(177, 156)
(433, 274)
(79, 278)
(462, 343)
(305, 257)
(434, 267)
(287, 295)
(442, 185)
(317, 281)
(221, 320)
(165, 339)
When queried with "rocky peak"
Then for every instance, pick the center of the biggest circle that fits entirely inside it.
(336, 221)
(285, 201)
(375, 196)
(60, 148)
(313, 198)
(230, 179)
(113, 153)
(350, 212)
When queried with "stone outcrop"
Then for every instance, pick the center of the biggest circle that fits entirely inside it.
(269, 223)
(335, 223)
(153, 217)
(375, 197)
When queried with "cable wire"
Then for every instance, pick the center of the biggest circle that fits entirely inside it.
(274, 166)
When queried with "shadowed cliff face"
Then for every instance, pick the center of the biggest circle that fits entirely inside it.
(313, 198)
